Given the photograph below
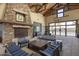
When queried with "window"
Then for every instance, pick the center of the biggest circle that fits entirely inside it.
(71, 30)
(67, 28)
(62, 23)
(38, 29)
(20, 17)
(52, 28)
(60, 13)
(71, 23)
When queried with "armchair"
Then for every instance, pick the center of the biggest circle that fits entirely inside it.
(15, 50)
(48, 52)
(23, 42)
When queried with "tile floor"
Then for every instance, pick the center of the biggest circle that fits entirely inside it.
(70, 46)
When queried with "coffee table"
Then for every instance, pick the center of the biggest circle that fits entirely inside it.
(38, 44)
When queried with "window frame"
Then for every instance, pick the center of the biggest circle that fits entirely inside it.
(21, 14)
(60, 12)
(64, 25)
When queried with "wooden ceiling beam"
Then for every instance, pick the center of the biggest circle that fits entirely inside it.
(47, 8)
(66, 6)
(42, 8)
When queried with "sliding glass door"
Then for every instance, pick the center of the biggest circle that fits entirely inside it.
(71, 28)
(63, 28)
(57, 30)
(52, 29)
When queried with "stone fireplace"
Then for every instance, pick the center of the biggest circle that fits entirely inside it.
(21, 31)
(11, 31)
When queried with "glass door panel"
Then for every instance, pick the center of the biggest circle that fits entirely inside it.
(63, 30)
(71, 30)
(57, 24)
(71, 22)
(62, 23)
(52, 30)
(52, 24)
(57, 30)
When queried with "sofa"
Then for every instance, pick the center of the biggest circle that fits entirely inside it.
(47, 37)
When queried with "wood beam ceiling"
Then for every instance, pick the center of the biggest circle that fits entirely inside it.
(41, 8)
(49, 8)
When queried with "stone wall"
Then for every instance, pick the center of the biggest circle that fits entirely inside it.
(2, 10)
(10, 13)
(10, 16)
(8, 33)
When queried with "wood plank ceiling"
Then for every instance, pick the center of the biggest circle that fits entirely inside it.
(48, 8)
(40, 7)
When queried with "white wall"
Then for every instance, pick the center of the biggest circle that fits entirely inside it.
(37, 17)
(68, 15)
(2, 9)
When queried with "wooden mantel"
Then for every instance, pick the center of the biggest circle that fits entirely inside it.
(16, 23)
